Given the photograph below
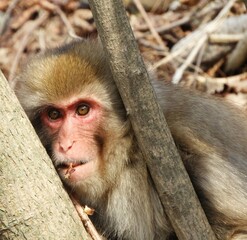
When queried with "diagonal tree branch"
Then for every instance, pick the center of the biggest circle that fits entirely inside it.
(154, 138)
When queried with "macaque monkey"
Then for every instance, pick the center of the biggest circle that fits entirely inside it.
(74, 105)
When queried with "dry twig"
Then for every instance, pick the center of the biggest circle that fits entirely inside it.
(225, 38)
(231, 81)
(85, 220)
(179, 72)
(150, 25)
(172, 25)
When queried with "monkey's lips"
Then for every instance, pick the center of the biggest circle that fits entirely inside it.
(75, 171)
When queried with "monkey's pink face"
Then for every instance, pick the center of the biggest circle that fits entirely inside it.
(77, 139)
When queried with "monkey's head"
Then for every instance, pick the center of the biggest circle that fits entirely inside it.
(71, 99)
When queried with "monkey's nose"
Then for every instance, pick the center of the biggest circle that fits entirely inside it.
(65, 146)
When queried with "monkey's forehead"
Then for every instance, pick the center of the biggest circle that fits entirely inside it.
(77, 69)
(67, 73)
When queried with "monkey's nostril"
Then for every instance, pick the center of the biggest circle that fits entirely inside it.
(65, 146)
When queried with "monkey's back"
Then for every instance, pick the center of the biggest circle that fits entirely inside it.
(211, 136)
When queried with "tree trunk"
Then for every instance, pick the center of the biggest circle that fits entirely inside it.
(33, 203)
(169, 175)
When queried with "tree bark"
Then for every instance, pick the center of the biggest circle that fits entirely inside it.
(164, 163)
(33, 203)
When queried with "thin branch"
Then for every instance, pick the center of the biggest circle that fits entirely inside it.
(174, 24)
(226, 80)
(150, 25)
(225, 38)
(85, 220)
(179, 72)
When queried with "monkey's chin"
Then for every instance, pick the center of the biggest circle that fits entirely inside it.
(76, 172)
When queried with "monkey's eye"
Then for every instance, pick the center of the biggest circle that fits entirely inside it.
(82, 109)
(53, 114)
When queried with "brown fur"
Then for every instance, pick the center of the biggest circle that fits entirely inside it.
(210, 135)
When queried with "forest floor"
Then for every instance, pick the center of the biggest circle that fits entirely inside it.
(196, 43)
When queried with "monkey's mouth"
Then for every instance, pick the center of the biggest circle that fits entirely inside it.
(70, 165)
(73, 170)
